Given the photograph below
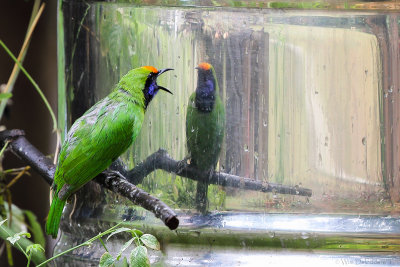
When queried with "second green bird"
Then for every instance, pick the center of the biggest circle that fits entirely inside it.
(205, 127)
(101, 135)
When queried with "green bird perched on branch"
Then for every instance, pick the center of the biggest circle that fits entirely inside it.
(101, 135)
(205, 126)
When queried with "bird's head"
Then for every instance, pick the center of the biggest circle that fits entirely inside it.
(143, 81)
(207, 87)
(151, 87)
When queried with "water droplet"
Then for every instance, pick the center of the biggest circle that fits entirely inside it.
(271, 234)
(246, 148)
(304, 235)
(256, 156)
(390, 89)
(192, 130)
(195, 233)
(364, 141)
(265, 123)
(297, 189)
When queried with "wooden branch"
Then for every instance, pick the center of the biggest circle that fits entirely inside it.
(161, 160)
(113, 181)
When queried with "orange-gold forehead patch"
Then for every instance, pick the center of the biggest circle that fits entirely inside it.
(204, 66)
(151, 68)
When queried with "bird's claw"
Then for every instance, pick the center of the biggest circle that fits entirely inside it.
(182, 164)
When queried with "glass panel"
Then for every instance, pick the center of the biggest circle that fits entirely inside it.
(311, 103)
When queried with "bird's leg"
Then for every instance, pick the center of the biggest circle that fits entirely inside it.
(118, 165)
(109, 172)
(63, 193)
(202, 193)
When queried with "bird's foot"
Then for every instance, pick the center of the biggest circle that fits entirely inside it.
(182, 165)
(112, 173)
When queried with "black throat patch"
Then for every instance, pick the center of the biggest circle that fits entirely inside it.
(205, 92)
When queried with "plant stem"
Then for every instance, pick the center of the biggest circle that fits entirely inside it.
(33, 83)
(21, 244)
(29, 259)
(16, 178)
(36, 13)
(102, 242)
(4, 147)
(14, 170)
(87, 243)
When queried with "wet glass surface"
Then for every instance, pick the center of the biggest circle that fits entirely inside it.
(310, 99)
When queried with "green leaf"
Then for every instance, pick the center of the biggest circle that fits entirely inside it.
(35, 228)
(5, 96)
(106, 260)
(150, 241)
(136, 233)
(123, 263)
(3, 221)
(119, 230)
(139, 257)
(18, 236)
(34, 248)
(124, 247)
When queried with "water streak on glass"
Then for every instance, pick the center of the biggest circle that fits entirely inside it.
(311, 98)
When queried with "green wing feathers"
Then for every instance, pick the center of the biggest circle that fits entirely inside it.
(205, 132)
(95, 140)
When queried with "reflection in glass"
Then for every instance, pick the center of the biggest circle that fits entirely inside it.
(311, 101)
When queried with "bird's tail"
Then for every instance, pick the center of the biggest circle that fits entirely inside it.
(53, 220)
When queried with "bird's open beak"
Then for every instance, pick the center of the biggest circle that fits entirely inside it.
(162, 71)
(164, 89)
(160, 87)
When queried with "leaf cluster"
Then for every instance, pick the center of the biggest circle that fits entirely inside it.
(138, 256)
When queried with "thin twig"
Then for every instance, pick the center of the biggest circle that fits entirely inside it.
(24, 46)
(16, 178)
(14, 170)
(35, 85)
(14, 74)
(87, 243)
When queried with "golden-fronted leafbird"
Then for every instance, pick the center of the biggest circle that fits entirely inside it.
(205, 126)
(101, 135)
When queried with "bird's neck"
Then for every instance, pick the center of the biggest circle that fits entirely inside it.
(205, 95)
(130, 89)
(121, 94)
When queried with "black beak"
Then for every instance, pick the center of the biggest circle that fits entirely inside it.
(164, 89)
(160, 87)
(162, 71)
